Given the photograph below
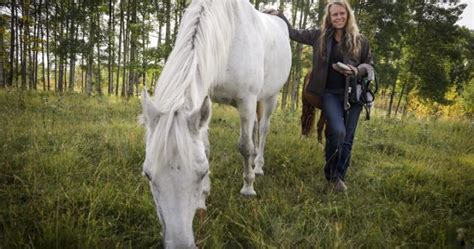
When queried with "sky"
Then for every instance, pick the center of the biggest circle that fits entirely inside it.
(468, 14)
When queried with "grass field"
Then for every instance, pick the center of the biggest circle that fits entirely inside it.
(70, 177)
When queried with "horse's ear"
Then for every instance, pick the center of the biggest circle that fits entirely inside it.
(150, 112)
(200, 119)
(206, 110)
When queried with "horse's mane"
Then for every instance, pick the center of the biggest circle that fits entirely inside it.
(199, 54)
(201, 47)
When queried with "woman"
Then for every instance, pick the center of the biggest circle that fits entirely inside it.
(337, 40)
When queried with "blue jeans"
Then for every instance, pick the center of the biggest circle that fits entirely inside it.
(341, 127)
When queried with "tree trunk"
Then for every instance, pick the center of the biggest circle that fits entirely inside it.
(97, 41)
(26, 8)
(43, 75)
(61, 60)
(120, 49)
(406, 84)
(168, 22)
(48, 57)
(83, 81)
(72, 72)
(89, 75)
(407, 102)
(394, 87)
(90, 54)
(287, 86)
(2, 79)
(160, 34)
(72, 52)
(181, 10)
(18, 52)
(55, 72)
(99, 83)
(133, 48)
(125, 53)
(392, 95)
(145, 42)
(40, 38)
(12, 43)
(31, 46)
(298, 66)
(110, 49)
(400, 97)
(176, 23)
(65, 65)
(37, 38)
(160, 24)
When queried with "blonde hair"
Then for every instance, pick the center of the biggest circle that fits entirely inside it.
(351, 36)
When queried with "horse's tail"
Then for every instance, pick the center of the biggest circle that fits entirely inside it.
(307, 115)
(199, 54)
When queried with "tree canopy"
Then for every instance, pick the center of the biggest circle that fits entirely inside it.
(116, 46)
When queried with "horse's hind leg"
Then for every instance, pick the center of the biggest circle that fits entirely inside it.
(246, 108)
(269, 105)
(307, 119)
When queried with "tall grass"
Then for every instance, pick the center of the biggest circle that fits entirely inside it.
(70, 177)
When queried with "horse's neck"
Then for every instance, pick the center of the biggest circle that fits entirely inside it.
(199, 54)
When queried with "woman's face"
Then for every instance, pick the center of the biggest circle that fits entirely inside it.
(338, 15)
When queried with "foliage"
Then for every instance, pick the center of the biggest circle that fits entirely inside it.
(420, 52)
(71, 178)
(468, 98)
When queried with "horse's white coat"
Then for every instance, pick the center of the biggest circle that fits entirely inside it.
(228, 50)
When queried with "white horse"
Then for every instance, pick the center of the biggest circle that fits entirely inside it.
(227, 50)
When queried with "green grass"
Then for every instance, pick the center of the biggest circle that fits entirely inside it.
(70, 177)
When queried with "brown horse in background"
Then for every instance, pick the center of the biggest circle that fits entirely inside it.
(308, 115)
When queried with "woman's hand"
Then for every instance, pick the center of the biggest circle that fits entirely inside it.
(345, 69)
(271, 12)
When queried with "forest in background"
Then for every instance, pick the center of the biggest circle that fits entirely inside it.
(424, 61)
(71, 160)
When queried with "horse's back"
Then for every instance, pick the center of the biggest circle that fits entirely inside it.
(259, 58)
(277, 62)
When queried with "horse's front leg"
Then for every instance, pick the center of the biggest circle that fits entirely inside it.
(246, 108)
(264, 125)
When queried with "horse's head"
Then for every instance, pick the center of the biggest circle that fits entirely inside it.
(177, 168)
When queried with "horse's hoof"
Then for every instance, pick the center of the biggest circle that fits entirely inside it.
(248, 192)
(258, 171)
